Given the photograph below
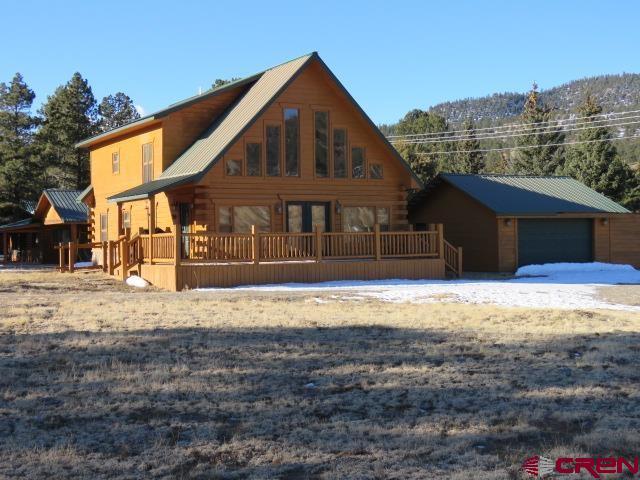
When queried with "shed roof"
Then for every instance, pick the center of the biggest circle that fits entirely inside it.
(20, 224)
(532, 195)
(65, 203)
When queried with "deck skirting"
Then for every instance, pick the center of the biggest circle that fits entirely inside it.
(190, 276)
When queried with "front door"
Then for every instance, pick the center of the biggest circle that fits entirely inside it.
(304, 216)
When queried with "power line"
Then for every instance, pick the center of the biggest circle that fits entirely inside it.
(516, 126)
(510, 135)
(485, 150)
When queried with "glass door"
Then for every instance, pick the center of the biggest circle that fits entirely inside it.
(304, 216)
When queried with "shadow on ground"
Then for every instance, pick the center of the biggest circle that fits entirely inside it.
(365, 402)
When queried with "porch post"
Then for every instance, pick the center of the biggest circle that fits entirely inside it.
(177, 250)
(105, 261)
(318, 244)
(5, 248)
(459, 261)
(376, 230)
(72, 257)
(110, 257)
(60, 257)
(255, 253)
(124, 257)
(440, 230)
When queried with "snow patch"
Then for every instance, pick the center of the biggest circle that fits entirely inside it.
(563, 287)
(83, 264)
(136, 281)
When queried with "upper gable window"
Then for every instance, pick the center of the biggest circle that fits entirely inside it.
(273, 150)
(292, 142)
(234, 167)
(375, 171)
(340, 153)
(147, 162)
(115, 162)
(321, 122)
(358, 163)
(254, 159)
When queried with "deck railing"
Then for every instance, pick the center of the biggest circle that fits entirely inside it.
(213, 247)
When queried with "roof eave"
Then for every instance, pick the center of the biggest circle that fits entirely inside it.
(87, 142)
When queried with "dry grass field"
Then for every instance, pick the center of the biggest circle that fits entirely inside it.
(98, 380)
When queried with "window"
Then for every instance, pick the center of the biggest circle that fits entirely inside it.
(115, 162)
(147, 162)
(234, 168)
(273, 150)
(224, 220)
(104, 227)
(321, 121)
(382, 217)
(357, 161)
(126, 219)
(291, 142)
(238, 219)
(254, 159)
(358, 219)
(339, 153)
(375, 171)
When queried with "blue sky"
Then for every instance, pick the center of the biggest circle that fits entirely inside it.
(392, 55)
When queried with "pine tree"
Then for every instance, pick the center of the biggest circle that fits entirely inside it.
(116, 110)
(468, 159)
(597, 164)
(18, 172)
(421, 156)
(546, 157)
(69, 115)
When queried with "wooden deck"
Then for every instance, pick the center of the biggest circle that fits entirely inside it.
(212, 259)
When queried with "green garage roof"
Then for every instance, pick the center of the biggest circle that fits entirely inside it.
(532, 195)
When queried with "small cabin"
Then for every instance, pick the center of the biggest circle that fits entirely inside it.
(56, 218)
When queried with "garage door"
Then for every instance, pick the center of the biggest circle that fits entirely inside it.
(550, 241)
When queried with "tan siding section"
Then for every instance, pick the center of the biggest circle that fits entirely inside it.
(507, 244)
(625, 239)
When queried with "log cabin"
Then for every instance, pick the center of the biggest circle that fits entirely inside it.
(277, 177)
(54, 219)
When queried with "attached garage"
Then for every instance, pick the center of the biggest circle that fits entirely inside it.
(503, 222)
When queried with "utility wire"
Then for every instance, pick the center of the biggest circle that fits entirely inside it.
(511, 135)
(517, 125)
(522, 147)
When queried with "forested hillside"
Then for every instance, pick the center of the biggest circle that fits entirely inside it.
(612, 92)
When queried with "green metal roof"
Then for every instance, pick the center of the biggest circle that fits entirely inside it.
(64, 202)
(150, 188)
(532, 195)
(225, 130)
(20, 224)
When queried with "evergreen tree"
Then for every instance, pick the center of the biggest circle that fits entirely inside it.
(546, 158)
(597, 164)
(116, 110)
(421, 156)
(18, 171)
(468, 159)
(69, 115)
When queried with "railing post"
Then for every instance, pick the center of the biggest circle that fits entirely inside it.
(5, 247)
(105, 261)
(459, 261)
(177, 250)
(124, 257)
(110, 262)
(72, 257)
(255, 245)
(150, 248)
(61, 257)
(376, 231)
(440, 230)
(318, 243)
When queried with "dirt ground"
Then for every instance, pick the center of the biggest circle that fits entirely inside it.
(100, 380)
